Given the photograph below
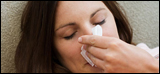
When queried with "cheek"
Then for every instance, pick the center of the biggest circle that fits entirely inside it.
(71, 50)
(68, 49)
(110, 30)
(109, 33)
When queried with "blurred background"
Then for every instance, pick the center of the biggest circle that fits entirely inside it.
(143, 16)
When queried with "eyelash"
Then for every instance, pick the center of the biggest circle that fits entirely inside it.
(71, 36)
(100, 23)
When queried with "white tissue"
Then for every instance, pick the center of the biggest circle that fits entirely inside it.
(97, 30)
(83, 53)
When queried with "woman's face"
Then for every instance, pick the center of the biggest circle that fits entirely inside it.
(77, 18)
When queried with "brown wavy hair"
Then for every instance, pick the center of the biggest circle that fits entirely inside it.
(36, 52)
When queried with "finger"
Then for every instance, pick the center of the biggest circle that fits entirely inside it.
(97, 52)
(97, 62)
(94, 40)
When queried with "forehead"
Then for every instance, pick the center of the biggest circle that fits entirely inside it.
(72, 10)
(77, 7)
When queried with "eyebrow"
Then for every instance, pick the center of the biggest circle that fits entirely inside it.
(73, 23)
(96, 12)
(69, 24)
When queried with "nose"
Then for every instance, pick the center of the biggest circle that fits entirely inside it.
(86, 29)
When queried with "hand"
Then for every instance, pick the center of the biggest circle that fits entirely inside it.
(114, 55)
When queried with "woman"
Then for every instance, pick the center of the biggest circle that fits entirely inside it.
(54, 32)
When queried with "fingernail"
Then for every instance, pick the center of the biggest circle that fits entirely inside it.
(79, 39)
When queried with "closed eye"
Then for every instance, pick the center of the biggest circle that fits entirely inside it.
(100, 23)
(70, 36)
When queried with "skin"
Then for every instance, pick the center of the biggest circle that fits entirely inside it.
(82, 17)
